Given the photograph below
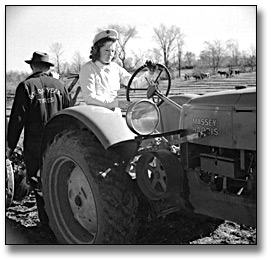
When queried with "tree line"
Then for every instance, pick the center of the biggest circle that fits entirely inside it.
(168, 50)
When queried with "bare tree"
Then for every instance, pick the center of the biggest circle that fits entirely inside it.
(125, 34)
(131, 63)
(155, 54)
(56, 49)
(77, 62)
(180, 43)
(206, 60)
(189, 58)
(252, 50)
(252, 57)
(167, 39)
(65, 69)
(233, 47)
(213, 54)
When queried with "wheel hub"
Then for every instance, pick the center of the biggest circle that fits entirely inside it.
(158, 174)
(81, 200)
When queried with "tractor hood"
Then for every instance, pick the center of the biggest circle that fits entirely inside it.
(229, 116)
(243, 97)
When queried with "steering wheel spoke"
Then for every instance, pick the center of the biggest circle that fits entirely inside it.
(138, 89)
(161, 78)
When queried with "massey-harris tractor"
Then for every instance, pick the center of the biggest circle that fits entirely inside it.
(194, 153)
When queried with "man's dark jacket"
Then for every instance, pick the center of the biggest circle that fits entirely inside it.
(37, 99)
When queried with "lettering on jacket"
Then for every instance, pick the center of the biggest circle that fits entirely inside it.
(39, 93)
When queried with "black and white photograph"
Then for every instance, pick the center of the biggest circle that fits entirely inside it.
(131, 125)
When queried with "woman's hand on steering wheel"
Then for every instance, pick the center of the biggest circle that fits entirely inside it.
(151, 66)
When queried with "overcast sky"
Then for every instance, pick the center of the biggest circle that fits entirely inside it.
(35, 28)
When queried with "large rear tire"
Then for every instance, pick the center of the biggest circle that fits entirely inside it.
(88, 196)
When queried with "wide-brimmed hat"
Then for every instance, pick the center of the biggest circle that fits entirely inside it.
(108, 33)
(40, 57)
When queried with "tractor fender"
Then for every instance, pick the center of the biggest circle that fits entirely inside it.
(108, 126)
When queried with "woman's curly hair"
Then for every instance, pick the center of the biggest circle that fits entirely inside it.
(95, 50)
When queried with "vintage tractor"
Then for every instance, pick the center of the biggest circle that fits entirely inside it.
(194, 153)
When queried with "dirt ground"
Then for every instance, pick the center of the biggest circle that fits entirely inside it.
(23, 227)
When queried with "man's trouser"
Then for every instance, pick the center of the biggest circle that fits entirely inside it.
(32, 162)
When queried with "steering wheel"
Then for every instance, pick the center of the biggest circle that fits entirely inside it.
(161, 78)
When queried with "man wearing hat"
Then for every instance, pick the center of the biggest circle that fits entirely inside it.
(37, 99)
(100, 78)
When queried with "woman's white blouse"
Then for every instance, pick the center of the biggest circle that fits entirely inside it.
(100, 83)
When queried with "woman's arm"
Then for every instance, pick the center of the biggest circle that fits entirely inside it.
(138, 82)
